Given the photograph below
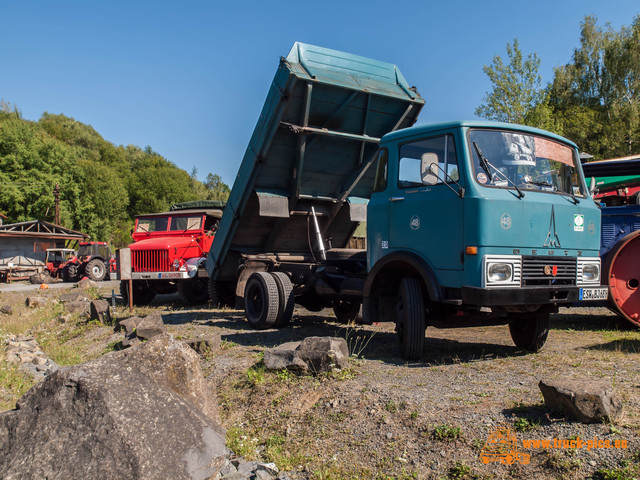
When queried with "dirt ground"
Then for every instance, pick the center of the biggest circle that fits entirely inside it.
(383, 417)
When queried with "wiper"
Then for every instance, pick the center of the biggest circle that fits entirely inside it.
(484, 163)
(573, 200)
(485, 166)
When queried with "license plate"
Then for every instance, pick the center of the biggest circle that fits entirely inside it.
(171, 275)
(594, 293)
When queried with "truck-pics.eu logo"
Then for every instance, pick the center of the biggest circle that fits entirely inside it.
(502, 446)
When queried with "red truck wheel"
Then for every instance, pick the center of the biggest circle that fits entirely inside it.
(620, 268)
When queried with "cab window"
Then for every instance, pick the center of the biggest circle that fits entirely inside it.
(411, 154)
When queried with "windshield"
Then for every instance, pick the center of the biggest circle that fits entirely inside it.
(186, 223)
(509, 159)
(152, 224)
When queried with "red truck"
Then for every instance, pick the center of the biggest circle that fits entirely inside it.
(169, 252)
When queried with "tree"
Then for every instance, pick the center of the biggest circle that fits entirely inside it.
(516, 86)
(218, 190)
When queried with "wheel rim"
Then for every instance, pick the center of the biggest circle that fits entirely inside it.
(624, 278)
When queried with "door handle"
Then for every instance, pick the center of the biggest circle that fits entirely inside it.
(396, 199)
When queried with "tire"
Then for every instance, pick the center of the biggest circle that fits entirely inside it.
(530, 332)
(286, 300)
(410, 322)
(194, 291)
(347, 311)
(142, 293)
(95, 270)
(222, 293)
(261, 300)
(70, 273)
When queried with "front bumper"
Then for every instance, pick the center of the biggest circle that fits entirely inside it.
(201, 272)
(484, 297)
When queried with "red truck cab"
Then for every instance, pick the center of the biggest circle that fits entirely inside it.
(169, 252)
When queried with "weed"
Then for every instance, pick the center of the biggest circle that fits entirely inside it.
(14, 382)
(242, 443)
(285, 376)
(461, 471)
(563, 463)
(413, 415)
(255, 374)
(519, 407)
(357, 340)
(227, 344)
(623, 473)
(446, 432)
(525, 425)
(391, 406)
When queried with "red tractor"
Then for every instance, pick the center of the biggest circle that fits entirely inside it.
(56, 262)
(93, 260)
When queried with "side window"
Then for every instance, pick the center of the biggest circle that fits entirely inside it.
(381, 173)
(409, 167)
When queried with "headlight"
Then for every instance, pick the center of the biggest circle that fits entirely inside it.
(499, 272)
(176, 264)
(502, 271)
(590, 273)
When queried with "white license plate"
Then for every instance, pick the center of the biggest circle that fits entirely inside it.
(594, 293)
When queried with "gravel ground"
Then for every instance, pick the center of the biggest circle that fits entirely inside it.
(386, 418)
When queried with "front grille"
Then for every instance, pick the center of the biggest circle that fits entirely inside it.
(150, 260)
(533, 271)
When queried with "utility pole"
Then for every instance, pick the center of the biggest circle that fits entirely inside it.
(56, 194)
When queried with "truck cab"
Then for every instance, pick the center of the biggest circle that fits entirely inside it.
(479, 223)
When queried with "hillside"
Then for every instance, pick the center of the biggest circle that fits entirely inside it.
(102, 186)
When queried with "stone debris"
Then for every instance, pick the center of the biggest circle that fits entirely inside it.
(311, 355)
(100, 311)
(81, 308)
(238, 468)
(205, 345)
(150, 408)
(586, 400)
(6, 310)
(84, 283)
(33, 302)
(138, 329)
(24, 351)
(73, 297)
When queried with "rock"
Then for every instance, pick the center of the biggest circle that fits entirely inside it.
(130, 341)
(39, 360)
(149, 327)
(285, 356)
(77, 307)
(33, 302)
(6, 310)
(100, 311)
(73, 297)
(136, 413)
(313, 354)
(84, 284)
(323, 354)
(205, 345)
(128, 325)
(234, 476)
(586, 400)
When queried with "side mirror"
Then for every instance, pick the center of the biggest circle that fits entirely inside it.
(592, 185)
(429, 168)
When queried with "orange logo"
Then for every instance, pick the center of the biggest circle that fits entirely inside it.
(502, 446)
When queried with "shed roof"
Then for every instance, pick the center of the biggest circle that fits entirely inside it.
(40, 229)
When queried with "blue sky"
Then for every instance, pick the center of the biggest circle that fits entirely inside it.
(189, 78)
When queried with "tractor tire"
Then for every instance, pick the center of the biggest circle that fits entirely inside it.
(530, 332)
(194, 291)
(95, 270)
(222, 293)
(286, 300)
(411, 321)
(261, 300)
(347, 311)
(142, 293)
(70, 273)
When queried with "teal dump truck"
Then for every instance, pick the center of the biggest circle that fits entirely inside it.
(468, 223)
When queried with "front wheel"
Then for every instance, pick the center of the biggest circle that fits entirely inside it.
(142, 293)
(530, 332)
(194, 291)
(410, 320)
(95, 270)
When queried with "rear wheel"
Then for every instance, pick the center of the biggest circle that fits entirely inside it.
(194, 291)
(261, 300)
(286, 301)
(347, 311)
(530, 332)
(222, 293)
(70, 273)
(410, 322)
(142, 293)
(95, 270)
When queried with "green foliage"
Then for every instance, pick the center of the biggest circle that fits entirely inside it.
(102, 186)
(516, 86)
(446, 432)
(525, 425)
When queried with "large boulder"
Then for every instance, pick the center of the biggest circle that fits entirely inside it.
(311, 355)
(100, 311)
(142, 413)
(586, 400)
